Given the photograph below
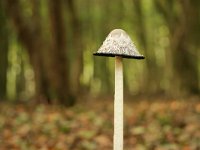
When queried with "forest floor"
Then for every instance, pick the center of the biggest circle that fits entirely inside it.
(149, 125)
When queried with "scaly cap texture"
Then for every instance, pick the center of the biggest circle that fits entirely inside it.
(118, 43)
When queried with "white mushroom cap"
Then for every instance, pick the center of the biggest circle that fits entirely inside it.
(118, 43)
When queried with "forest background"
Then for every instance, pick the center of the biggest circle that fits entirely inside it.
(47, 46)
(46, 56)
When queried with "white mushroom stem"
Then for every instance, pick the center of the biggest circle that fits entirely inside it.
(118, 104)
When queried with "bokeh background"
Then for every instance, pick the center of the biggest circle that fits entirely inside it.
(47, 46)
(46, 57)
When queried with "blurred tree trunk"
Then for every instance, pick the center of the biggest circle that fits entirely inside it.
(77, 62)
(20, 79)
(48, 60)
(3, 52)
(60, 77)
(183, 48)
(186, 54)
(152, 78)
(101, 30)
(30, 35)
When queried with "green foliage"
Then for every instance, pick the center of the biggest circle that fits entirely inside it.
(52, 42)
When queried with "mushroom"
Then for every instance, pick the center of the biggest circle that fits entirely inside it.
(119, 45)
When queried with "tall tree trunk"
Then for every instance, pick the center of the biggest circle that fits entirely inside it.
(184, 57)
(48, 60)
(3, 52)
(77, 62)
(60, 77)
(29, 34)
(152, 78)
(100, 30)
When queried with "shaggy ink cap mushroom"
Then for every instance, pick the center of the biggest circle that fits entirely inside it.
(118, 43)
